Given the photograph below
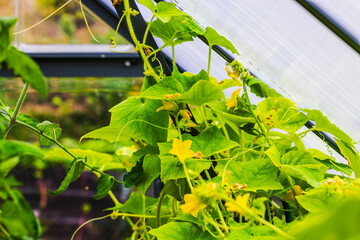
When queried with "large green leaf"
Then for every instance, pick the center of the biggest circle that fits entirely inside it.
(105, 183)
(322, 123)
(177, 83)
(201, 92)
(176, 188)
(147, 3)
(151, 170)
(18, 218)
(319, 200)
(342, 223)
(302, 165)
(27, 69)
(351, 155)
(72, 174)
(171, 167)
(10, 148)
(102, 161)
(135, 204)
(261, 89)
(209, 142)
(165, 11)
(8, 164)
(139, 119)
(229, 117)
(135, 175)
(6, 23)
(52, 130)
(180, 231)
(257, 174)
(282, 113)
(108, 133)
(214, 38)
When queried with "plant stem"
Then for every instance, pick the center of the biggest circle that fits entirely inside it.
(257, 218)
(209, 59)
(263, 130)
(147, 29)
(222, 219)
(294, 194)
(4, 231)
(187, 177)
(136, 41)
(113, 198)
(173, 54)
(222, 125)
(17, 109)
(242, 145)
(158, 209)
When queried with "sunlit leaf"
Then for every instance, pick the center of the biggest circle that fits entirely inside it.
(165, 11)
(6, 23)
(52, 130)
(214, 38)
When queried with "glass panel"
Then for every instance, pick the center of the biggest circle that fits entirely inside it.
(292, 51)
(66, 27)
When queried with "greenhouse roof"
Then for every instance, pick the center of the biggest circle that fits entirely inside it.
(306, 50)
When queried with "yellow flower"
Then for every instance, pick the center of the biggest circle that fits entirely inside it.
(232, 101)
(289, 194)
(170, 106)
(117, 2)
(240, 200)
(186, 114)
(182, 149)
(234, 75)
(192, 205)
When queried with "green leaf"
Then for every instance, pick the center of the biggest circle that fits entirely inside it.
(101, 161)
(302, 165)
(351, 154)
(180, 231)
(6, 23)
(52, 130)
(105, 183)
(177, 83)
(280, 113)
(257, 174)
(210, 142)
(322, 123)
(139, 119)
(147, 3)
(135, 204)
(73, 173)
(11, 148)
(27, 69)
(176, 188)
(229, 117)
(261, 89)
(135, 175)
(339, 224)
(171, 167)
(7, 165)
(18, 218)
(201, 92)
(151, 170)
(274, 155)
(108, 133)
(330, 162)
(214, 38)
(319, 200)
(164, 11)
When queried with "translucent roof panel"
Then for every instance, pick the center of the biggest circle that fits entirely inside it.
(346, 13)
(292, 51)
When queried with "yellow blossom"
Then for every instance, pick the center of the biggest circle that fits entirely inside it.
(182, 149)
(234, 75)
(186, 114)
(289, 194)
(232, 101)
(192, 205)
(170, 106)
(240, 200)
